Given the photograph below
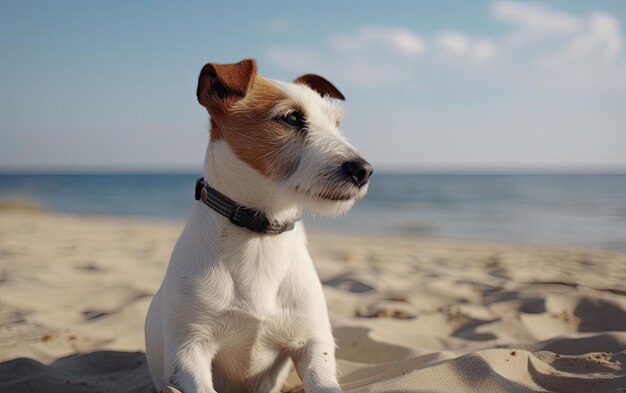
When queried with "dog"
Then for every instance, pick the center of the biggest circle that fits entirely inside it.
(241, 296)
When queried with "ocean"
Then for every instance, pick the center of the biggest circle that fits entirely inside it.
(580, 210)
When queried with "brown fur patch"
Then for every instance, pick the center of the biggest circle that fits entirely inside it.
(221, 85)
(255, 137)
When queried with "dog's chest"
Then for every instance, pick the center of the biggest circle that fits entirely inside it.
(249, 302)
(253, 275)
(251, 299)
(253, 319)
(249, 335)
(249, 347)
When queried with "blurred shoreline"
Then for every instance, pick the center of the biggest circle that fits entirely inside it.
(561, 210)
(29, 208)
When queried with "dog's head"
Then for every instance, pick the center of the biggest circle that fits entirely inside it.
(288, 132)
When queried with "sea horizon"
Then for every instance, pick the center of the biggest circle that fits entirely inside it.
(561, 209)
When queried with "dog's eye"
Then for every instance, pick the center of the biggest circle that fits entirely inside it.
(295, 119)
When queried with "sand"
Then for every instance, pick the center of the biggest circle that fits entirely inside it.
(409, 315)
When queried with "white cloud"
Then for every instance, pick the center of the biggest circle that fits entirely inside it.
(399, 40)
(363, 69)
(476, 50)
(600, 41)
(379, 55)
(453, 42)
(543, 45)
(567, 47)
(534, 18)
(356, 58)
(603, 37)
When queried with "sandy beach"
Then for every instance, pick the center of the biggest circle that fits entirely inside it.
(409, 315)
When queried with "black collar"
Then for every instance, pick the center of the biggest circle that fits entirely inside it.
(237, 214)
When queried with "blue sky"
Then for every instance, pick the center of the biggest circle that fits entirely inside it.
(497, 85)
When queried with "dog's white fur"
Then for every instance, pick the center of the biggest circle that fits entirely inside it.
(234, 305)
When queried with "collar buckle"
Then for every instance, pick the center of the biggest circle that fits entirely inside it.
(200, 185)
(248, 218)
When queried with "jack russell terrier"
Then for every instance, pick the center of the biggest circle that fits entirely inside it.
(241, 295)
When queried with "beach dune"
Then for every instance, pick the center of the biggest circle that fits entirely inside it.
(409, 315)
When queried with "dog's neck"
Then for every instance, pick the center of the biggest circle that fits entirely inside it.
(225, 172)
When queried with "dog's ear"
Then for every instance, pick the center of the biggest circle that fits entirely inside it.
(320, 85)
(221, 85)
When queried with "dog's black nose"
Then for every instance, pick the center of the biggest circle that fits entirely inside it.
(358, 171)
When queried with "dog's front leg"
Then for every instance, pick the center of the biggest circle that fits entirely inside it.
(188, 367)
(315, 364)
